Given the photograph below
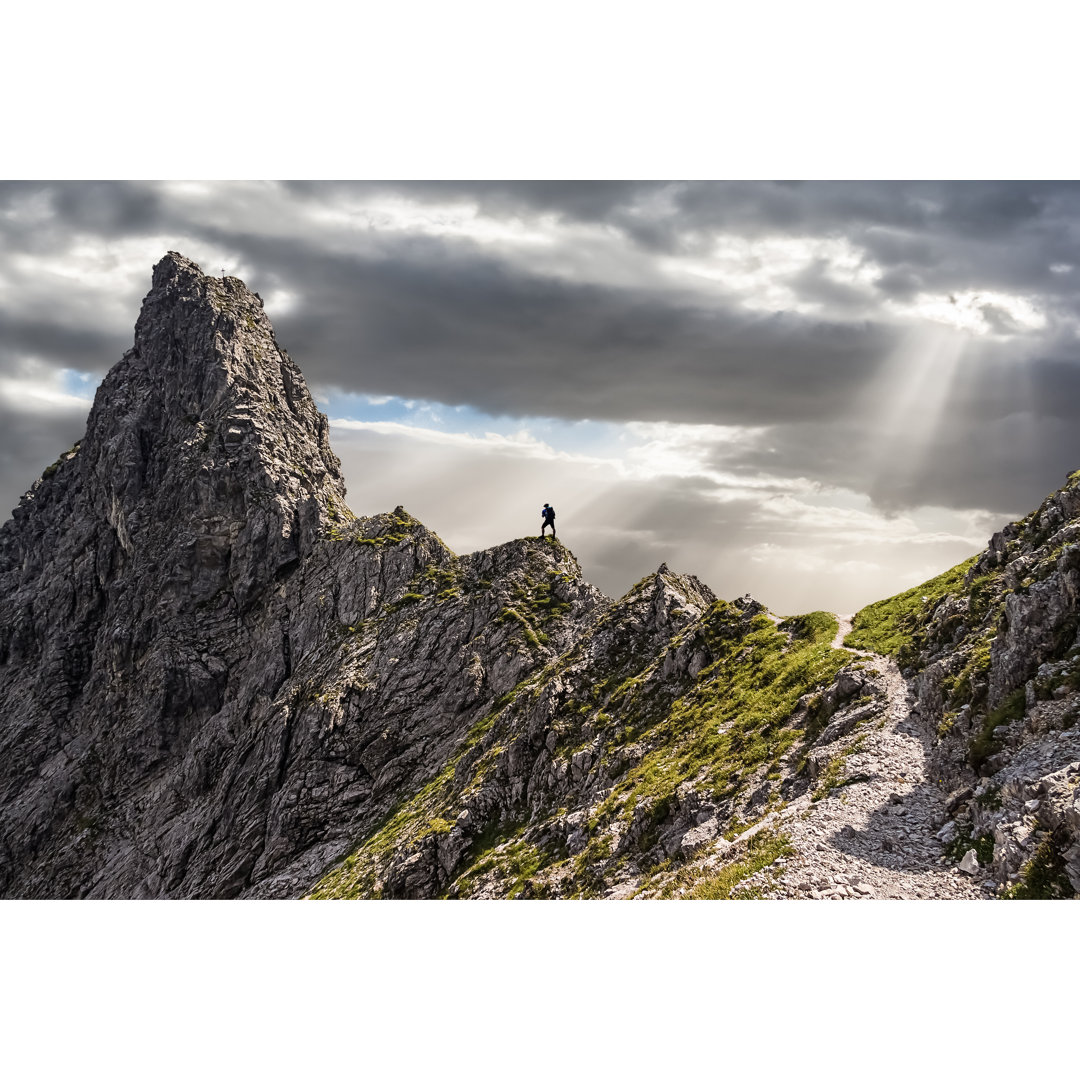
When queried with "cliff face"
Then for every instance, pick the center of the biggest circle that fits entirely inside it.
(212, 677)
(215, 681)
(992, 653)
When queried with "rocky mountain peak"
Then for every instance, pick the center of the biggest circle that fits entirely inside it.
(206, 354)
(205, 460)
(210, 670)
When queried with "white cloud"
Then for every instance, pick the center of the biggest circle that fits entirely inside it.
(386, 212)
(520, 443)
(638, 451)
(974, 311)
(39, 388)
(758, 270)
(786, 514)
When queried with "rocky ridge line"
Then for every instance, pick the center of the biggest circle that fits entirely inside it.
(874, 806)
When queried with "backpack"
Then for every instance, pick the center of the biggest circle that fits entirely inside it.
(549, 513)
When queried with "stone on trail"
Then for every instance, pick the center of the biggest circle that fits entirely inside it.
(969, 864)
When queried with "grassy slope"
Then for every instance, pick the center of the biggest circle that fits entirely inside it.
(734, 718)
(903, 625)
(729, 729)
(888, 626)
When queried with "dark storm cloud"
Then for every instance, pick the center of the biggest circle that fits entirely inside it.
(953, 236)
(990, 211)
(986, 210)
(84, 349)
(907, 220)
(814, 283)
(42, 216)
(1004, 466)
(440, 319)
(944, 236)
(462, 328)
(1006, 436)
(107, 207)
(575, 200)
(900, 283)
(454, 320)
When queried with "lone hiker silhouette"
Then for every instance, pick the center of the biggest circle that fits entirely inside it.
(548, 517)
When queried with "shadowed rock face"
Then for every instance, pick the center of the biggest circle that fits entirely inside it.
(997, 668)
(212, 676)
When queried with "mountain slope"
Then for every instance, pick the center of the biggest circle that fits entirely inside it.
(673, 718)
(967, 783)
(993, 654)
(211, 675)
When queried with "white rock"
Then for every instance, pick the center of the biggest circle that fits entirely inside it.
(970, 862)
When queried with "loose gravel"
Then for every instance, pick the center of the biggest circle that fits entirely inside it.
(875, 837)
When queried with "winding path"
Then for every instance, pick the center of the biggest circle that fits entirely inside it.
(843, 628)
(875, 837)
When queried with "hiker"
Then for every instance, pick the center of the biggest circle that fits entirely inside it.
(548, 517)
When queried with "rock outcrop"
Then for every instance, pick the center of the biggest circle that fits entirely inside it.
(213, 677)
(993, 656)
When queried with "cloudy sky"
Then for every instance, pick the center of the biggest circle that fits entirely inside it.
(818, 393)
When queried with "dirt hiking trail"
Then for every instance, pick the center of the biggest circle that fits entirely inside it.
(874, 836)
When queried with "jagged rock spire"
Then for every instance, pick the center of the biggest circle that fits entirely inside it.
(204, 451)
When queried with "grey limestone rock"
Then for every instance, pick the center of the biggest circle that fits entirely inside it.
(213, 676)
(969, 864)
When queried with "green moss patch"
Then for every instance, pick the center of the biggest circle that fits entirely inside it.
(985, 743)
(514, 863)
(1043, 878)
(964, 841)
(761, 851)
(734, 721)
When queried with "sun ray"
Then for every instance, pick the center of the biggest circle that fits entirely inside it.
(905, 406)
